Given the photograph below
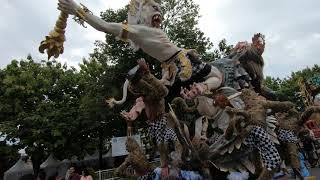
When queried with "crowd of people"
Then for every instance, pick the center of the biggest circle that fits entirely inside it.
(73, 173)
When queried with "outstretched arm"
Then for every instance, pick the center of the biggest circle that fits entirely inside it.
(135, 110)
(71, 7)
(278, 106)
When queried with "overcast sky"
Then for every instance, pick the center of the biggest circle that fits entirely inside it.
(292, 29)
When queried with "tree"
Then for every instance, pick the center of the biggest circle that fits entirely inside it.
(222, 51)
(8, 155)
(97, 82)
(39, 106)
(289, 88)
(181, 18)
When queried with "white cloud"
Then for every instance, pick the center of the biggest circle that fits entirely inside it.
(316, 35)
(112, 4)
(77, 52)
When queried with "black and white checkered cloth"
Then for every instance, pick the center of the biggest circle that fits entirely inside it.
(287, 136)
(258, 138)
(196, 67)
(214, 138)
(149, 176)
(161, 132)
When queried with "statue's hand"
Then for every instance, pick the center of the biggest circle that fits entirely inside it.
(125, 115)
(129, 116)
(272, 122)
(68, 6)
(196, 89)
(110, 102)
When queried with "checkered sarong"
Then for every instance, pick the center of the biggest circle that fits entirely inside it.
(287, 136)
(149, 176)
(196, 67)
(214, 138)
(258, 138)
(161, 132)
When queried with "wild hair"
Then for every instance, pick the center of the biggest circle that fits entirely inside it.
(257, 36)
(132, 144)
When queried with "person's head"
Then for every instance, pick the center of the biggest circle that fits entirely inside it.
(41, 175)
(72, 169)
(85, 172)
(54, 176)
(27, 177)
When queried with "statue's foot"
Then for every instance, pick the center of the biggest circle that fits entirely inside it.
(165, 173)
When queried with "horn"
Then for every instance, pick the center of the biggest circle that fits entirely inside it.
(111, 102)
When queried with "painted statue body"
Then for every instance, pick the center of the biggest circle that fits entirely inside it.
(236, 129)
(287, 131)
(151, 92)
(144, 34)
(136, 159)
(143, 31)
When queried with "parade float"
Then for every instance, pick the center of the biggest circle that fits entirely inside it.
(223, 122)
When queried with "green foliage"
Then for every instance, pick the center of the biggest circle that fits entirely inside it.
(8, 156)
(181, 18)
(288, 88)
(223, 50)
(40, 106)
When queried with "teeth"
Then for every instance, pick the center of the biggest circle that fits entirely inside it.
(156, 17)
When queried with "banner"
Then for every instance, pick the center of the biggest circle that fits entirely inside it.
(119, 145)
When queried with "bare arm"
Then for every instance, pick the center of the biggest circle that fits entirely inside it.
(135, 110)
(101, 25)
(71, 7)
(278, 106)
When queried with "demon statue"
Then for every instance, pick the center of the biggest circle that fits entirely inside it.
(142, 30)
(150, 92)
(232, 127)
(137, 160)
(253, 132)
(239, 116)
(289, 125)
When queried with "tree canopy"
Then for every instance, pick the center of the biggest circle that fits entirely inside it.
(288, 89)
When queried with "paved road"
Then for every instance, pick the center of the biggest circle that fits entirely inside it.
(314, 172)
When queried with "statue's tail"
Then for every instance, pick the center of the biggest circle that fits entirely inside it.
(111, 102)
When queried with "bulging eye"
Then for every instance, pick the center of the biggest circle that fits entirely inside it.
(156, 8)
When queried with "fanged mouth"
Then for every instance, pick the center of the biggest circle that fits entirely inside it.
(156, 21)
